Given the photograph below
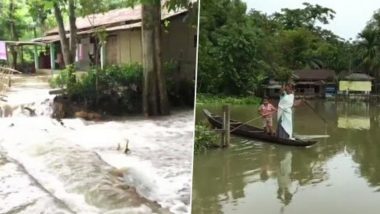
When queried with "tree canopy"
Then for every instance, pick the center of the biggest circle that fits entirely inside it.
(240, 49)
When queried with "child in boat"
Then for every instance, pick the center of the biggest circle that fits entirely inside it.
(266, 110)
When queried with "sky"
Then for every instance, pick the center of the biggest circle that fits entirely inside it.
(350, 18)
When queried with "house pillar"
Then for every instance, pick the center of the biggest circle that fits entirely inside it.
(102, 55)
(52, 57)
(36, 64)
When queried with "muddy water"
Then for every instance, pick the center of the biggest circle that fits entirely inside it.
(341, 174)
(78, 167)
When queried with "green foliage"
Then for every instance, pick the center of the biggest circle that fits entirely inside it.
(13, 12)
(215, 99)
(240, 51)
(205, 139)
(304, 18)
(297, 47)
(230, 58)
(65, 79)
(38, 11)
(117, 88)
(369, 47)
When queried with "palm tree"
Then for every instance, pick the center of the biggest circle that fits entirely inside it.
(370, 45)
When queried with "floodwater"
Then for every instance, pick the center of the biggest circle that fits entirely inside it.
(340, 174)
(79, 166)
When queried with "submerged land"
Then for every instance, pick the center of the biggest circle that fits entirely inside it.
(76, 166)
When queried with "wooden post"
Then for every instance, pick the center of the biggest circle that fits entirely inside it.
(226, 126)
(223, 131)
(9, 80)
(36, 62)
(52, 57)
(228, 130)
(102, 56)
(35, 50)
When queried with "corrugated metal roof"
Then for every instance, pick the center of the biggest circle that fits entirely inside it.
(358, 77)
(55, 37)
(115, 17)
(308, 83)
(273, 86)
(47, 39)
(314, 74)
(22, 43)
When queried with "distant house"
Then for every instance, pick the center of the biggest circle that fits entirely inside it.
(123, 43)
(356, 83)
(315, 83)
(272, 89)
(309, 83)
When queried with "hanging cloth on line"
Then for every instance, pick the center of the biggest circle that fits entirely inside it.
(3, 50)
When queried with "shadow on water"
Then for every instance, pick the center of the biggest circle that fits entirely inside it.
(252, 176)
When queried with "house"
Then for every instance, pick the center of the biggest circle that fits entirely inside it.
(123, 40)
(308, 83)
(356, 83)
(312, 83)
(272, 89)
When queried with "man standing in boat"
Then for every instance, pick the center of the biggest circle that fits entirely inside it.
(285, 112)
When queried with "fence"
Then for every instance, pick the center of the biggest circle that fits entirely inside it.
(6, 78)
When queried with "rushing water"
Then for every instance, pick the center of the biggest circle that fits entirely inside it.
(78, 166)
(340, 174)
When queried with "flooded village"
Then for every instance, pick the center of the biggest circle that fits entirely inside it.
(330, 163)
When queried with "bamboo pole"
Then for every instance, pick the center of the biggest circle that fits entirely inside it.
(226, 126)
(223, 130)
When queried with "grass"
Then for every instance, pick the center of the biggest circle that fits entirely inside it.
(205, 138)
(233, 100)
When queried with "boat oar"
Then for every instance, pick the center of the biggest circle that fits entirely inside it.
(256, 118)
(308, 137)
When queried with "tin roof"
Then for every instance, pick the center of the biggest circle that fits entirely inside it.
(314, 74)
(115, 17)
(114, 20)
(358, 77)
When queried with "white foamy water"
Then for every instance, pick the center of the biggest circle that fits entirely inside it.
(78, 167)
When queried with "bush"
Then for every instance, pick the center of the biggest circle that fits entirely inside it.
(205, 139)
(115, 89)
(62, 80)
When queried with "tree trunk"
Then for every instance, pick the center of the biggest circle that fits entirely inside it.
(73, 30)
(14, 37)
(150, 106)
(161, 81)
(155, 98)
(14, 56)
(62, 35)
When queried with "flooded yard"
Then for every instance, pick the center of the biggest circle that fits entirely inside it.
(80, 167)
(340, 174)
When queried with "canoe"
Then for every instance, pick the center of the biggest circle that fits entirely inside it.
(252, 132)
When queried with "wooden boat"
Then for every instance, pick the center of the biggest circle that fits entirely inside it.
(252, 132)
